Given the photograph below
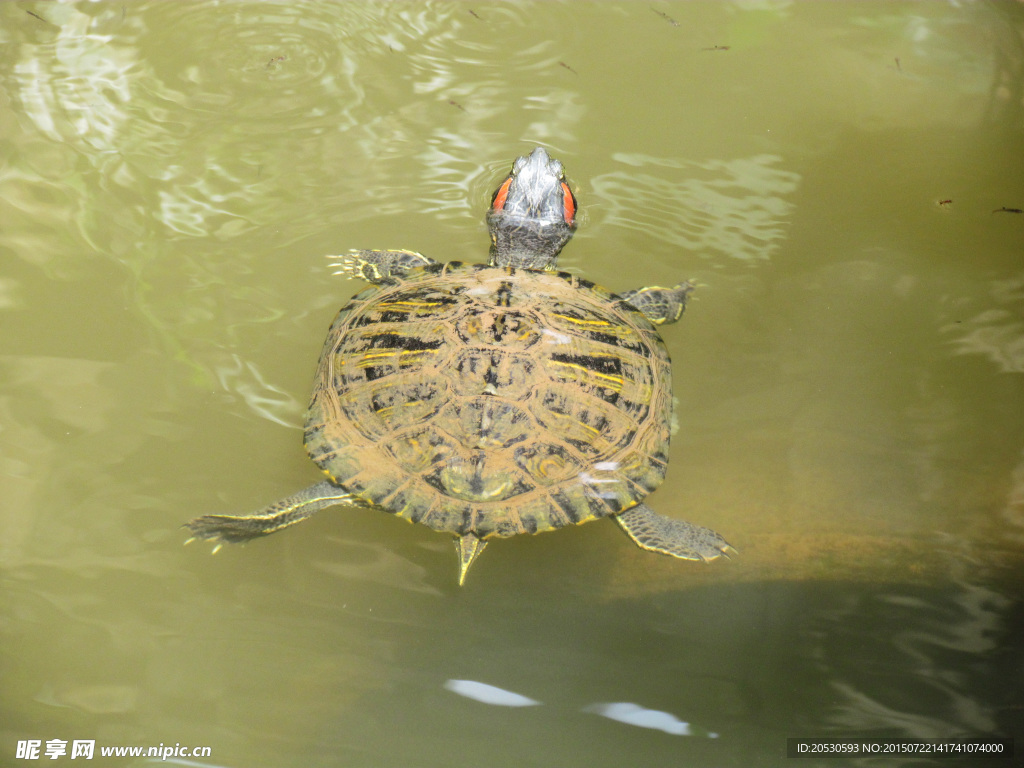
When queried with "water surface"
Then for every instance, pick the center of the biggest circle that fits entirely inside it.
(835, 178)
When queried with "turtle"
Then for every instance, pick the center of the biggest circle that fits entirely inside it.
(493, 399)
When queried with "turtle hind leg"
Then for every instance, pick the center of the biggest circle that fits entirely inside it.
(377, 266)
(660, 305)
(288, 511)
(678, 538)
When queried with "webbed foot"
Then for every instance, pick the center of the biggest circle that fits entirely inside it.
(661, 305)
(377, 266)
(678, 538)
(288, 511)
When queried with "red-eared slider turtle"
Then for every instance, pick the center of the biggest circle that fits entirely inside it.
(488, 400)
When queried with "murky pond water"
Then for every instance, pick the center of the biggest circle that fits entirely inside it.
(842, 180)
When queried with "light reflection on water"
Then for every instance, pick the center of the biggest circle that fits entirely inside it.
(926, 635)
(620, 711)
(851, 411)
(997, 332)
(734, 209)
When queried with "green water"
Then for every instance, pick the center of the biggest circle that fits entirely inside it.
(849, 376)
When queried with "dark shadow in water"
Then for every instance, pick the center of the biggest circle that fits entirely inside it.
(713, 676)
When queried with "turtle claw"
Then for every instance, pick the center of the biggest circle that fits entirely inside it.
(217, 543)
(348, 264)
(707, 544)
(727, 549)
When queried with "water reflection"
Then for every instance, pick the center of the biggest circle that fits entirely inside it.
(633, 714)
(620, 711)
(126, 126)
(1013, 510)
(74, 80)
(269, 401)
(717, 208)
(1006, 93)
(489, 694)
(941, 655)
(70, 403)
(996, 332)
(92, 699)
(132, 114)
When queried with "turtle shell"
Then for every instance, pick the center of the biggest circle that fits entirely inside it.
(492, 400)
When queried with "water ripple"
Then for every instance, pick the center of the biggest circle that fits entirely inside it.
(996, 332)
(918, 685)
(736, 208)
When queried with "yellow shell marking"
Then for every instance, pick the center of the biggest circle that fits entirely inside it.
(406, 303)
(588, 373)
(578, 321)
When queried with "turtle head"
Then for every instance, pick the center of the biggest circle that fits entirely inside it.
(532, 215)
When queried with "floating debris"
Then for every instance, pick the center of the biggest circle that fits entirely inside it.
(666, 17)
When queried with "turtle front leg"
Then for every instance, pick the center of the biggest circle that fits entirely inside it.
(660, 305)
(377, 266)
(288, 511)
(678, 538)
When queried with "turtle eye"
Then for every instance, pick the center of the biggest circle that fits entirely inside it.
(500, 194)
(568, 204)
